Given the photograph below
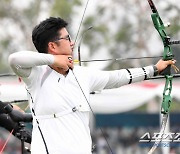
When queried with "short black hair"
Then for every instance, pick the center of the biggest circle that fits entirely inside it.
(47, 31)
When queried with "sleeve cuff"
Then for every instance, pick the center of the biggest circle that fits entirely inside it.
(51, 59)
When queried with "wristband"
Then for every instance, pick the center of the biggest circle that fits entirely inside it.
(156, 72)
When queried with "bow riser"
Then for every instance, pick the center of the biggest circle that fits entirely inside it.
(159, 25)
(167, 55)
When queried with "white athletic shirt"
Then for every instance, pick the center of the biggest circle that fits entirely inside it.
(52, 93)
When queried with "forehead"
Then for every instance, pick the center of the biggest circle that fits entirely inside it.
(63, 32)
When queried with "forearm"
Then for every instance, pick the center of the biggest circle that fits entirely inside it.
(22, 62)
(127, 76)
(28, 59)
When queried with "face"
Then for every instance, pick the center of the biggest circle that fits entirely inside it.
(63, 46)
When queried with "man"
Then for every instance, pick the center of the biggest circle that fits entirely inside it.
(60, 109)
(10, 124)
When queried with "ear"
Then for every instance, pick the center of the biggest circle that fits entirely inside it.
(52, 48)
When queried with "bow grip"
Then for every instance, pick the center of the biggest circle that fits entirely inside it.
(166, 71)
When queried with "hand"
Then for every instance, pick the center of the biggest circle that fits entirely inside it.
(161, 64)
(63, 62)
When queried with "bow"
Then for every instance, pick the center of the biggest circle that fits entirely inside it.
(167, 55)
(79, 61)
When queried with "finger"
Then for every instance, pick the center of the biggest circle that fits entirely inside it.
(66, 68)
(71, 61)
(174, 61)
(70, 57)
(171, 62)
(70, 65)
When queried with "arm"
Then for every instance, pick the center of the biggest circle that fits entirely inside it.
(114, 79)
(127, 76)
(23, 62)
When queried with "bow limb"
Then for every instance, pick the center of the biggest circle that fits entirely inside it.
(167, 55)
(79, 54)
(79, 60)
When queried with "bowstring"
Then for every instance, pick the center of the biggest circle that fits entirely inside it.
(81, 22)
(78, 81)
(92, 112)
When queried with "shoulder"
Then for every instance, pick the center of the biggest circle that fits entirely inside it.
(88, 71)
(35, 76)
(84, 69)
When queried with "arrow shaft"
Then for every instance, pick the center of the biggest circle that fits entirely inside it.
(117, 59)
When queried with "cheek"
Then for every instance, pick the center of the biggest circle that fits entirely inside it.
(64, 48)
(60, 49)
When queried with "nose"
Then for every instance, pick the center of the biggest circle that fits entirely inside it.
(72, 43)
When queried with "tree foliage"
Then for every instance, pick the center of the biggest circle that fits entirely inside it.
(128, 31)
(120, 28)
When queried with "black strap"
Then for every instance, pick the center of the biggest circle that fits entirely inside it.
(145, 74)
(38, 125)
(130, 75)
